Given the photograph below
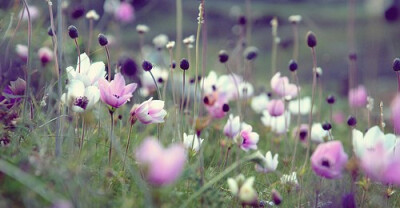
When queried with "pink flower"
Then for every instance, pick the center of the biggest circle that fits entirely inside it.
(115, 93)
(338, 117)
(358, 97)
(329, 159)
(164, 165)
(276, 107)
(150, 111)
(282, 87)
(45, 55)
(395, 107)
(125, 12)
(216, 105)
(249, 139)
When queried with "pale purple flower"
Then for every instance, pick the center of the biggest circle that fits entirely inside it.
(282, 87)
(12, 93)
(150, 111)
(115, 93)
(45, 55)
(22, 52)
(164, 166)
(125, 12)
(232, 127)
(248, 139)
(33, 11)
(276, 107)
(395, 107)
(329, 159)
(358, 97)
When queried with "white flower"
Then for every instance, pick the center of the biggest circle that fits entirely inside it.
(80, 98)
(305, 106)
(92, 14)
(318, 133)
(34, 13)
(141, 29)
(246, 90)
(22, 51)
(370, 105)
(294, 19)
(189, 40)
(170, 45)
(243, 188)
(232, 126)
(89, 73)
(374, 135)
(192, 142)
(148, 86)
(290, 179)
(160, 41)
(277, 124)
(259, 103)
(319, 71)
(270, 164)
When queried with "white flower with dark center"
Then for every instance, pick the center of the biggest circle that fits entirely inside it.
(305, 106)
(318, 133)
(142, 29)
(79, 97)
(87, 72)
(192, 142)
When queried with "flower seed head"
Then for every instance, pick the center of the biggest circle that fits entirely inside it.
(330, 99)
(50, 32)
(225, 108)
(242, 20)
(184, 64)
(292, 65)
(147, 66)
(251, 53)
(311, 39)
(353, 56)
(326, 126)
(103, 41)
(223, 56)
(173, 64)
(396, 64)
(351, 121)
(276, 197)
(73, 32)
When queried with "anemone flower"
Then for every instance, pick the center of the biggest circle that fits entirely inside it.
(358, 97)
(279, 124)
(248, 139)
(276, 108)
(80, 98)
(150, 111)
(232, 127)
(259, 103)
(192, 142)
(12, 93)
(45, 55)
(116, 93)
(125, 12)
(282, 87)
(89, 73)
(270, 163)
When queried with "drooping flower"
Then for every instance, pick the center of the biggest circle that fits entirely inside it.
(115, 93)
(248, 139)
(150, 111)
(164, 165)
(279, 125)
(192, 142)
(259, 103)
(87, 72)
(270, 163)
(232, 127)
(243, 189)
(125, 12)
(301, 133)
(395, 108)
(329, 159)
(12, 93)
(276, 108)
(45, 55)
(80, 98)
(358, 97)
(305, 106)
(282, 87)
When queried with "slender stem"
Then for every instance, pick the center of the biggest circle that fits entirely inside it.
(13, 35)
(82, 135)
(312, 105)
(218, 178)
(274, 47)
(59, 132)
(296, 41)
(297, 137)
(141, 44)
(317, 193)
(127, 146)
(197, 74)
(179, 20)
(155, 83)
(111, 138)
(249, 21)
(183, 90)
(28, 69)
(90, 36)
(398, 81)
(79, 55)
(237, 89)
(108, 63)
(226, 156)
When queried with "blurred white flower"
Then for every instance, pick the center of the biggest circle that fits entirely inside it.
(290, 179)
(278, 124)
(318, 133)
(270, 163)
(92, 14)
(362, 143)
(294, 19)
(34, 13)
(259, 103)
(147, 83)
(232, 127)
(160, 41)
(170, 45)
(192, 142)
(141, 29)
(305, 106)
(189, 40)
(243, 188)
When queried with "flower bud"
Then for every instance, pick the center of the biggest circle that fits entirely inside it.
(251, 53)
(147, 66)
(311, 39)
(242, 20)
(276, 197)
(223, 56)
(73, 32)
(225, 108)
(351, 121)
(330, 99)
(326, 126)
(396, 64)
(353, 56)
(292, 65)
(50, 32)
(103, 41)
(184, 64)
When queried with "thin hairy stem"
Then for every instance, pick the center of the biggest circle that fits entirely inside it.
(90, 36)
(108, 63)
(127, 146)
(28, 68)
(79, 54)
(111, 138)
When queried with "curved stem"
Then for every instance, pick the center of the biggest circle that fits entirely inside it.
(155, 83)
(28, 69)
(298, 121)
(108, 63)
(127, 146)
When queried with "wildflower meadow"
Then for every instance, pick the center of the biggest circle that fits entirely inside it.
(199, 103)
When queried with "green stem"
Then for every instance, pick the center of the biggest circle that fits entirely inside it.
(111, 138)
(127, 146)
(28, 68)
(108, 63)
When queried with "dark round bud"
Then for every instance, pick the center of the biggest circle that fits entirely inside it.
(225, 108)
(303, 135)
(199, 78)
(128, 66)
(311, 39)
(73, 32)
(353, 56)
(192, 80)
(276, 197)
(392, 13)
(292, 65)
(351, 121)
(50, 32)
(242, 20)
(214, 88)
(251, 53)
(223, 56)
(269, 94)
(326, 126)
(206, 100)
(330, 99)
(184, 64)
(396, 64)
(77, 12)
(120, 117)
(160, 80)
(147, 66)
(173, 64)
(103, 41)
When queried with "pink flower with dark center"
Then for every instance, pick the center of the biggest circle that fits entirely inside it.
(282, 87)
(164, 165)
(329, 159)
(216, 105)
(125, 12)
(276, 107)
(249, 139)
(115, 93)
(150, 111)
(358, 97)
(45, 55)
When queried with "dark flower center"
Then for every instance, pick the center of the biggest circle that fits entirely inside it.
(325, 163)
(81, 102)
(303, 135)
(117, 96)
